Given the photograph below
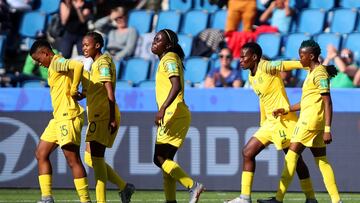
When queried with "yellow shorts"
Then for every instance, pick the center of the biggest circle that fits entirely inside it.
(174, 131)
(278, 133)
(99, 131)
(309, 138)
(64, 132)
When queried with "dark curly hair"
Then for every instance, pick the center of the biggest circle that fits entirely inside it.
(314, 47)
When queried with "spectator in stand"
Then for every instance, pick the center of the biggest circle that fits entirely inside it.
(121, 40)
(240, 10)
(74, 15)
(288, 79)
(280, 15)
(224, 76)
(152, 5)
(349, 72)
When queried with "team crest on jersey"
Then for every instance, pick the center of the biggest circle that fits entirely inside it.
(61, 60)
(105, 72)
(275, 63)
(324, 83)
(171, 66)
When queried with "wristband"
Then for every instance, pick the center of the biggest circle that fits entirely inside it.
(327, 129)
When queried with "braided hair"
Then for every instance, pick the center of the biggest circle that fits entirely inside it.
(97, 38)
(315, 49)
(313, 46)
(254, 48)
(174, 41)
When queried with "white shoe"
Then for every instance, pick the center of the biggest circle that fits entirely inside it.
(240, 199)
(48, 199)
(195, 192)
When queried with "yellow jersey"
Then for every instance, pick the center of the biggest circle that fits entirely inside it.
(269, 87)
(312, 114)
(170, 65)
(97, 102)
(60, 80)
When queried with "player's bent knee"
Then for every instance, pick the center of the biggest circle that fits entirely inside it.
(158, 160)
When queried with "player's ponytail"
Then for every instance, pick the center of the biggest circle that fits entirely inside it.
(175, 46)
(331, 70)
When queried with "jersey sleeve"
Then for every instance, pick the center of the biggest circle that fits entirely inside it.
(61, 65)
(274, 67)
(171, 67)
(321, 80)
(105, 71)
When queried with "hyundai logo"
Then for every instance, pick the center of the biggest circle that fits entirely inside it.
(12, 147)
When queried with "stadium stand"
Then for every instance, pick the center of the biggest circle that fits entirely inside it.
(270, 50)
(194, 22)
(135, 70)
(325, 39)
(169, 20)
(185, 42)
(141, 20)
(343, 21)
(322, 4)
(307, 24)
(180, 5)
(195, 70)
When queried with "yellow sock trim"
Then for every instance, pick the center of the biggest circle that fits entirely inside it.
(82, 188)
(87, 159)
(287, 174)
(112, 176)
(307, 188)
(100, 178)
(328, 177)
(172, 168)
(169, 187)
(247, 178)
(45, 182)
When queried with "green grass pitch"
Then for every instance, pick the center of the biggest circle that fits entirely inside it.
(64, 196)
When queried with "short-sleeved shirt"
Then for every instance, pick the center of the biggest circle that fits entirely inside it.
(312, 114)
(170, 65)
(102, 70)
(269, 87)
(60, 80)
(228, 81)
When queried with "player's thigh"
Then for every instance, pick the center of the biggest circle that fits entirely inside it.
(50, 132)
(308, 138)
(99, 131)
(173, 132)
(69, 131)
(44, 149)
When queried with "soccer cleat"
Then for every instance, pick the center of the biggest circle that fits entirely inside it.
(240, 199)
(171, 201)
(48, 199)
(195, 192)
(127, 192)
(271, 200)
(311, 201)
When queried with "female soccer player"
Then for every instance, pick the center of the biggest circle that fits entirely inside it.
(173, 117)
(266, 82)
(64, 129)
(103, 118)
(313, 128)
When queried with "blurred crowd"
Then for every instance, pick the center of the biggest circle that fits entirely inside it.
(246, 19)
